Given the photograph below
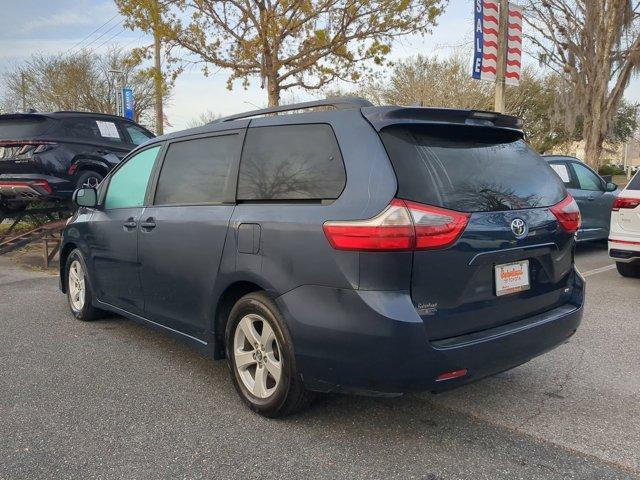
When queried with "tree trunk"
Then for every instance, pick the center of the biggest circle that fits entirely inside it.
(592, 143)
(274, 91)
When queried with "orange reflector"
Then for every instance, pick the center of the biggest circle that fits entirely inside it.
(449, 375)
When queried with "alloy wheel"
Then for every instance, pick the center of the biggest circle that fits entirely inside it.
(77, 290)
(258, 361)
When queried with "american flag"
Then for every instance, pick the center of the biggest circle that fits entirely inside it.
(487, 30)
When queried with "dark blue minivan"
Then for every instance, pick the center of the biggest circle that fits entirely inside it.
(339, 247)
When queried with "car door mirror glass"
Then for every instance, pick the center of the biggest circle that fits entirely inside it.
(611, 187)
(86, 197)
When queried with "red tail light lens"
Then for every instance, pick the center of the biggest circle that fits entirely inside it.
(625, 203)
(436, 227)
(568, 214)
(400, 226)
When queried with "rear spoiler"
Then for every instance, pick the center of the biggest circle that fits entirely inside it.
(381, 117)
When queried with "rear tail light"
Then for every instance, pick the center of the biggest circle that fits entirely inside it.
(568, 214)
(36, 146)
(451, 375)
(40, 185)
(401, 226)
(625, 203)
(43, 184)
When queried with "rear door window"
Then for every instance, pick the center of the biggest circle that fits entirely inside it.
(470, 169)
(128, 185)
(198, 171)
(101, 131)
(291, 162)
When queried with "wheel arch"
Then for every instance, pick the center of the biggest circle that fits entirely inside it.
(231, 294)
(65, 251)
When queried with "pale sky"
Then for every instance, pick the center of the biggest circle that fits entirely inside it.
(61, 26)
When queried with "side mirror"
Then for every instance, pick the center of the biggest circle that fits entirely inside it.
(86, 197)
(611, 187)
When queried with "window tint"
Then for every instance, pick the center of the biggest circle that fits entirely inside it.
(197, 171)
(586, 178)
(128, 185)
(634, 184)
(291, 162)
(469, 169)
(138, 135)
(24, 128)
(563, 172)
(87, 128)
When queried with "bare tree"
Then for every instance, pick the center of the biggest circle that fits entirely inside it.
(595, 47)
(78, 82)
(286, 43)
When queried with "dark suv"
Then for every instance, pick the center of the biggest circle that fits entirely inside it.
(362, 249)
(49, 155)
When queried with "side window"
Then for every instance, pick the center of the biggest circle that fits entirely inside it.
(197, 171)
(137, 135)
(128, 185)
(586, 178)
(104, 131)
(563, 172)
(291, 162)
(634, 184)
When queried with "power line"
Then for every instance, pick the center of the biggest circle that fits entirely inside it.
(119, 24)
(108, 40)
(87, 37)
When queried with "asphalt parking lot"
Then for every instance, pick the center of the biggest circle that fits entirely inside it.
(112, 399)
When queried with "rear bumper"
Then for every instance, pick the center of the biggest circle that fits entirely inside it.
(27, 187)
(624, 250)
(373, 342)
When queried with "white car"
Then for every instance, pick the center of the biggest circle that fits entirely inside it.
(624, 235)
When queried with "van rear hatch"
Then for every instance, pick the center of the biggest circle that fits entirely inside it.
(514, 259)
(22, 137)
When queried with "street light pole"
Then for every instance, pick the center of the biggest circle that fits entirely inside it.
(118, 89)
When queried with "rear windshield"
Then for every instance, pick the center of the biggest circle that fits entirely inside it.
(634, 184)
(24, 128)
(469, 169)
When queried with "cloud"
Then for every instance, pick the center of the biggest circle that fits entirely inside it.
(58, 20)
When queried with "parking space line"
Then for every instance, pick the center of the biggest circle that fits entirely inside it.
(598, 270)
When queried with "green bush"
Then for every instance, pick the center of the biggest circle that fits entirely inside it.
(610, 170)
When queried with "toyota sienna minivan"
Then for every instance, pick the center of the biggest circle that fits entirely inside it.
(341, 247)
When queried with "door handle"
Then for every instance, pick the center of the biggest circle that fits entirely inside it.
(591, 198)
(148, 224)
(130, 224)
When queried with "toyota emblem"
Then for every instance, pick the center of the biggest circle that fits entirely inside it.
(519, 228)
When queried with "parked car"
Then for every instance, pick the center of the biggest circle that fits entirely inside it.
(624, 239)
(49, 155)
(360, 249)
(594, 195)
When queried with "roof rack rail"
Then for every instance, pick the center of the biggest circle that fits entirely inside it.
(336, 102)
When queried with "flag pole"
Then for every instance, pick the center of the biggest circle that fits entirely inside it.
(501, 64)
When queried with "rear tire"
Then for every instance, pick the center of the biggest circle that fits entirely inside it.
(261, 359)
(88, 179)
(628, 269)
(79, 293)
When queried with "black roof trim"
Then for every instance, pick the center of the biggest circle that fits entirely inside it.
(336, 102)
(381, 117)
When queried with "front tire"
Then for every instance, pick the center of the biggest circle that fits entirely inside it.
(261, 358)
(628, 269)
(79, 293)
